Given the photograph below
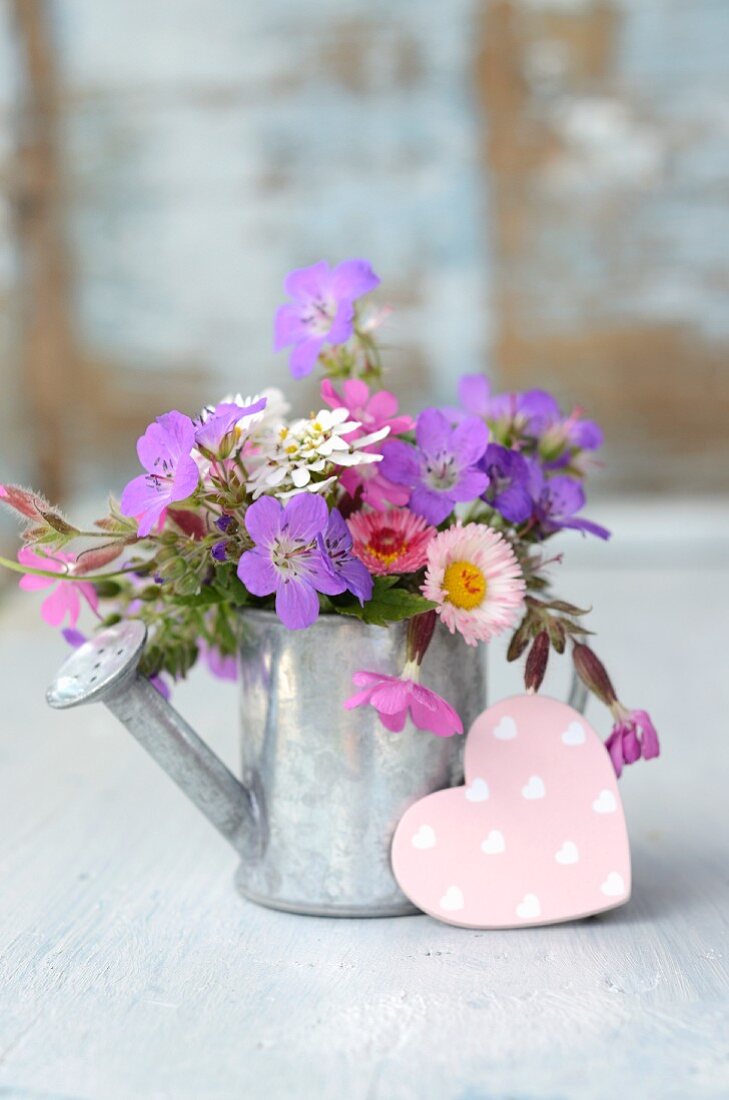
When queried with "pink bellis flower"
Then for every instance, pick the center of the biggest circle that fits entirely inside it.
(397, 698)
(287, 558)
(395, 541)
(172, 474)
(373, 413)
(322, 310)
(633, 736)
(65, 599)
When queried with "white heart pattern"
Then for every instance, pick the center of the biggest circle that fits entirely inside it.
(574, 734)
(506, 729)
(424, 838)
(478, 791)
(568, 853)
(494, 843)
(534, 788)
(452, 899)
(605, 803)
(529, 907)
(613, 886)
(534, 835)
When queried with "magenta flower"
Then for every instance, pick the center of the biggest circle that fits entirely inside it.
(373, 413)
(336, 546)
(395, 698)
(65, 599)
(443, 469)
(287, 559)
(220, 434)
(633, 736)
(322, 311)
(172, 474)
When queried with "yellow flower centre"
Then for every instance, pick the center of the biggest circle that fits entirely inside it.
(465, 585)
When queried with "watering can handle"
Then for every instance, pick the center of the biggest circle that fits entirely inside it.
(105, 669)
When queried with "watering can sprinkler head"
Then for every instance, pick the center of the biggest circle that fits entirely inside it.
(100, 668)
(105, 670)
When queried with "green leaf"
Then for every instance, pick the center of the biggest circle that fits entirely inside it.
(206, 597)
(387, 605)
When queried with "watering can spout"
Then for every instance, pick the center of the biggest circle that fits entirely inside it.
(105, 669)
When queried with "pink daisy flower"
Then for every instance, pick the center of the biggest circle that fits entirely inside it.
(65, 599)
(475, 579)
(397, 698)
(395, 541)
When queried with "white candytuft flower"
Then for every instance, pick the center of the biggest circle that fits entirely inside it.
(303, 455)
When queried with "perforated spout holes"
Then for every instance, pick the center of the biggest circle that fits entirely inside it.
(99, 667)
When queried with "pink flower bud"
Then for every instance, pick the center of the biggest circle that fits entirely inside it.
(593, 674)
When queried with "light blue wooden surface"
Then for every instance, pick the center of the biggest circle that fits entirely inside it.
(130, 968)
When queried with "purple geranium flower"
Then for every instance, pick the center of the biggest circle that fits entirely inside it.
(216, 435)
(172, 474)
(556, 502)
(336, 544)
(534, 413)
(287, 558)
(322, 310)
(443, 468)
(507, 491)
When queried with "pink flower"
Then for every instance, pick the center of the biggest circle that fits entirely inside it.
(395, 698)
(475, 579)
(633, 736)
(395, 541)
(66, 597)
(372, 413)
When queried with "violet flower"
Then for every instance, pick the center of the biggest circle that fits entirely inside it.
(287, 559)
(508, 487)
(216, 436)
(322, 310)
(397, 698)
(633, 736)
(443, 469)
(336, 545)
(534, 413)
(221, 666)
(556, 502)
(172, 473)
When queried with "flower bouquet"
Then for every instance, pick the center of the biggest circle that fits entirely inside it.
(359, 510)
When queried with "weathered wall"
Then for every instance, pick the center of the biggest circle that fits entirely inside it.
(542, 185)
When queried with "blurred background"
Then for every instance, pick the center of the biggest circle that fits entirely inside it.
(542, 186)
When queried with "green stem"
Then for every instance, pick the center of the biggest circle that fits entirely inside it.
(16, 567)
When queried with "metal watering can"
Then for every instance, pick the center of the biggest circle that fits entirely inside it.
(322, 788)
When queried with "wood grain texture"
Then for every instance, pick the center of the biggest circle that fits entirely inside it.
(130, 968)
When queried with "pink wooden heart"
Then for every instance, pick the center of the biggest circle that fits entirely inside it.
(537, 835)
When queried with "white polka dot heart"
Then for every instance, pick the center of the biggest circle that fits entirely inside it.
(536, 835)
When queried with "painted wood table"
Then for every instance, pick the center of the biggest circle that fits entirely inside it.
(130, 968)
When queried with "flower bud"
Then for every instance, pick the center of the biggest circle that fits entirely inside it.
(420, 631)
(536, 662)
(593, 674)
